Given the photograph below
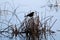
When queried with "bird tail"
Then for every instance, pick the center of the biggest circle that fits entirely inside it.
(25, 16)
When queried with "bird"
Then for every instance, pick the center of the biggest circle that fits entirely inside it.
(30, 14)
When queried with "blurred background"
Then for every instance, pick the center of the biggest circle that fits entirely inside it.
(23, 7)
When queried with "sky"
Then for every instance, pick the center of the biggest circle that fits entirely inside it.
(25, 6)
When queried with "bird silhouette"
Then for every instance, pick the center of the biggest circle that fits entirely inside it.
(30, 14)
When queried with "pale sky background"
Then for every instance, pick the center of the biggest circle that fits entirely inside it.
(24, 6)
